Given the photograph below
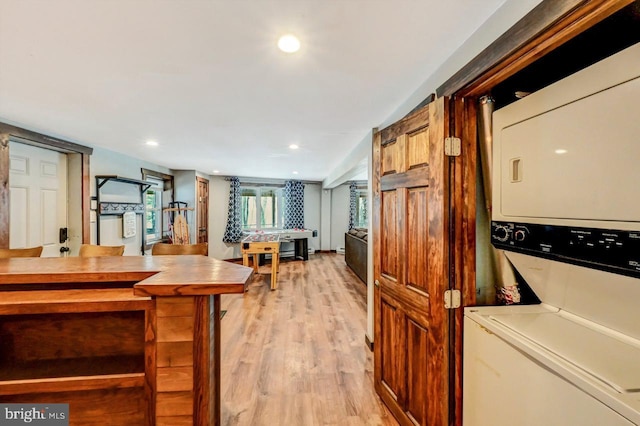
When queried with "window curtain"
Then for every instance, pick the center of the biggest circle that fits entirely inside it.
(353, 205)
(233, 232)
(293, 204)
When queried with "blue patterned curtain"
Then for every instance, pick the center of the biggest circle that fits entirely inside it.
(293, 204)
(353, 205)
(233, 232)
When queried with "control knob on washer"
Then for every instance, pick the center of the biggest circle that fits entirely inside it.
(520, 235)
(501, 233)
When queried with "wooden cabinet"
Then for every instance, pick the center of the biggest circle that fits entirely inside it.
(123, 340)
(85, 348)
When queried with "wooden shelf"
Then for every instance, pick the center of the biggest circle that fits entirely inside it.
(71, 384)
(71, 301)
(39, 370)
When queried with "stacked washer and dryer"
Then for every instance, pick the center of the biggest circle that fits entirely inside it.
(566, 213)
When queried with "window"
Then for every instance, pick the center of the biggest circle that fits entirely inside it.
(261, 208)
(153, 211)
(361, 209)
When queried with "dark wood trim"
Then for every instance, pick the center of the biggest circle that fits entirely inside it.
(150, 365)
(418, 177)
(548, 25)
(4, 191)
(368, 342)
(86, 199)
(206, 360)
(28, 137)
(390, 133)
(464, 125)
(43, 141)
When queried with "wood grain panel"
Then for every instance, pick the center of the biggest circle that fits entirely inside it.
(390, 154)
(174, 404)
(175, 307)
(417, 371)
(417, 260)
(69, 301)
(418, 149)
(388, 243)
(392, 364)
(171, 379)
(150, 362)
(175, 329)
(175, 354)
(206, 362)
(69, 384)
(175, 421)
(73, 335)
(410, 179)
(406, 125)
(464, 199)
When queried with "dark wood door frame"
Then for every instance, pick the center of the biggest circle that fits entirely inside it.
(546, 27)
(202, 210)
(9, 132)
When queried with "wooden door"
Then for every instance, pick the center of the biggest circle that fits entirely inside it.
(203, 210)
(38, 198)
(411, 348)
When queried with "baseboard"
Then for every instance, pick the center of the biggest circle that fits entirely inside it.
(368, 342)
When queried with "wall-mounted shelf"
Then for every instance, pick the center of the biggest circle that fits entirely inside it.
(106, 208)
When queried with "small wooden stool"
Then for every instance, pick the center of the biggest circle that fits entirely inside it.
(257, 244)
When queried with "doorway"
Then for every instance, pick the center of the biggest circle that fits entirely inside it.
(38, 199)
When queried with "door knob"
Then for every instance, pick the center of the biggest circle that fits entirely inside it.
(376, 283)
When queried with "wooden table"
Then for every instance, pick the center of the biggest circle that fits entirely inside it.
(123, 340)
(257, 244)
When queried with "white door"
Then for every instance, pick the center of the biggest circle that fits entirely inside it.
(38, 198)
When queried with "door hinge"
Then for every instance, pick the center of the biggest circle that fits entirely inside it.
(451, 299)
(452, 147)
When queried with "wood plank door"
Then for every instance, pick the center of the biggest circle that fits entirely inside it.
(410, 224)
(38, 198)
(203, 210)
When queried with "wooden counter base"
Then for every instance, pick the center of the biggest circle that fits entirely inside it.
(143, 350)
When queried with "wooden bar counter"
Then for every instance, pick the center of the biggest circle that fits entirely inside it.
(123, 340)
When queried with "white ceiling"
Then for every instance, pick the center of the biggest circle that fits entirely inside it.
(206, 81)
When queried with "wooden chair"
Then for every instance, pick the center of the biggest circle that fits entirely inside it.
(160, 249)
(21, 252)
(90, 250)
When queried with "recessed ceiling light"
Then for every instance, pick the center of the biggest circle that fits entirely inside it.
(561, 151)
(289, 43)
(216, 171)
(294, 172)
(152, 143)
(293, 146)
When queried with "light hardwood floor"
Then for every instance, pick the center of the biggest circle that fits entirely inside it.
(297, 356)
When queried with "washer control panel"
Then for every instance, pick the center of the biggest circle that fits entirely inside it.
(607, 249)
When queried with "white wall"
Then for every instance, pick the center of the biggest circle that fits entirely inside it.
(510, 13)
(218, 207)
(325, 220)
(339, 215)
(105, 162)
(312, 209)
